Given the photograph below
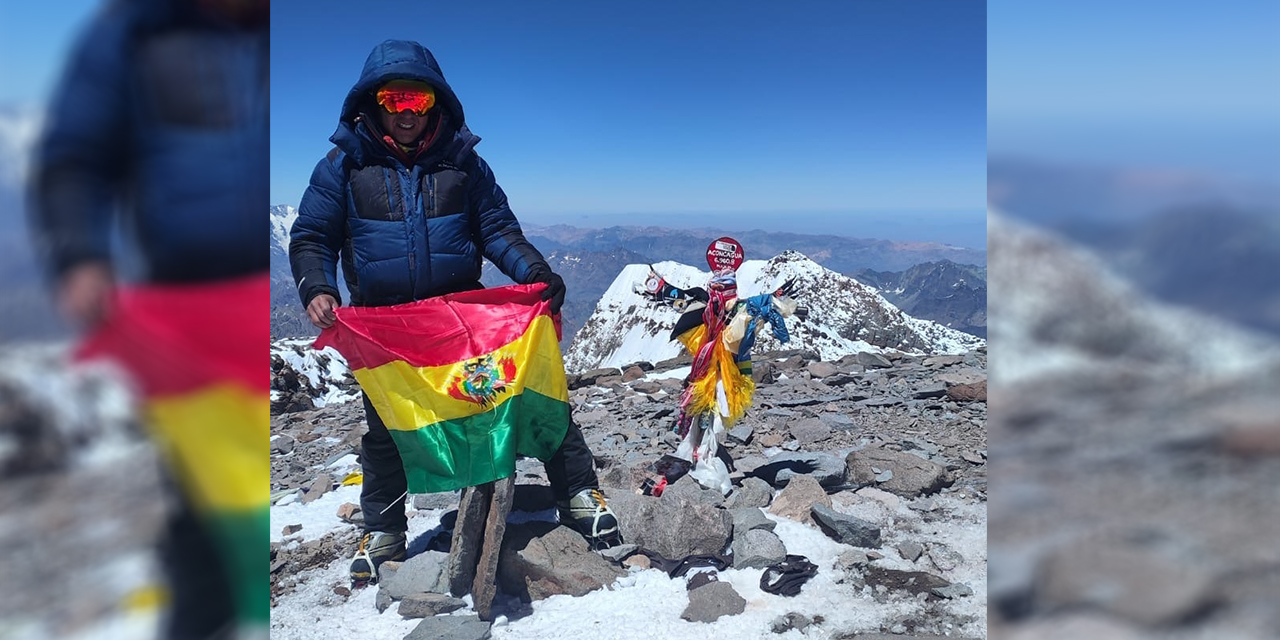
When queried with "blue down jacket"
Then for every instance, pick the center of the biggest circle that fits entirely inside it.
(162, 116)
(405, 229)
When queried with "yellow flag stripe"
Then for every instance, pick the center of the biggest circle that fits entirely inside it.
(409, 398)
(218, 441)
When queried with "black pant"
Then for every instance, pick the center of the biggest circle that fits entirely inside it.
(201, 604)
(382, 494)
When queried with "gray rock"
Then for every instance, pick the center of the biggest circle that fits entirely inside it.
(541, 559)
(283, 444)
(741, 433)
(1126, 579)
(962, 377)
(845, 528)
(799, 497)
(838, 421)
(426, 501)
(757, 548)
(712, 601)
(783, 624)
(851, 559)
(745, 520)
(923, 504)
(383, 601)
(589, 378)
(884, 476)
(647, 386)
(617, 553)
(425, 605)
(937, 362)
(910, 551)
(317, 488)
(809, 431)
(912, 475)
(754, 492)
(423, 573)
(689, 526)
(827, 469)
(688, 489)
(881, 401)
(450, 628)
(621, 475)
(943, 557)
(779, 413)
(807, 400)
(931, 390)
(822, 369)
(839, 380)
(872, 360)
(952, 591)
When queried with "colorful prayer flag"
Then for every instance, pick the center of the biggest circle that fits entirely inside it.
(464, 382)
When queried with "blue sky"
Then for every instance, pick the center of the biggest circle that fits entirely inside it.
(34, 38)
(766, 110)
(1179, 83)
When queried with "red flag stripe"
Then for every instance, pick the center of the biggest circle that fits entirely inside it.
(178, 338)
(436, 331)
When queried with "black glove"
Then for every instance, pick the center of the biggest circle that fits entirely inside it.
(555, 287)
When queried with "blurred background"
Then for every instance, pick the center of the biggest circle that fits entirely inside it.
(1134, 312)
(83, 497)
(80, 506)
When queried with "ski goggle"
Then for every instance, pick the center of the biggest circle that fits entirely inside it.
(398, 95)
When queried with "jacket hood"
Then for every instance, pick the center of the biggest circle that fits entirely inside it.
(401, 60)
(398, 60)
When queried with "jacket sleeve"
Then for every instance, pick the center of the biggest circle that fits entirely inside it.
(82, 158)
(497, 230)
(319, 232)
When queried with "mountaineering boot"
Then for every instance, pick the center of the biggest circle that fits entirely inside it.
(589, 514)
(376, 547)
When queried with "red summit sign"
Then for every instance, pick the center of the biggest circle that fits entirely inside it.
(724, 253)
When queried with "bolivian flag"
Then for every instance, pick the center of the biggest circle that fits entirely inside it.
(465, 382)
(197, 354)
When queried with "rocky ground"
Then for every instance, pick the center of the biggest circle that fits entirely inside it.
(82, 503)
(1135, 457)
(873, 467)
(1130, 503)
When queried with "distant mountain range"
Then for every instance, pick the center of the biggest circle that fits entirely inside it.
(26, 310)
(953, 295)
(1058, 307)
(1202, 241)
(590, 260)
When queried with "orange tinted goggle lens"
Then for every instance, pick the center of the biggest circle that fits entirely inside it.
(395, 100)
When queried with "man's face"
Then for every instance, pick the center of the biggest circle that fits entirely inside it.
(405, 127)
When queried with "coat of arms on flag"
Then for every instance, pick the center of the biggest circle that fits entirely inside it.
(481, 380)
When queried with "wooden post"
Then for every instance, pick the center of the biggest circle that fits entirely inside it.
(477, 542)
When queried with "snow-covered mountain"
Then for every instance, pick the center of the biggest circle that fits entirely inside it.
(304, 378)
(1054, 307)
(18, 130)
(282, 219)
(845, 316)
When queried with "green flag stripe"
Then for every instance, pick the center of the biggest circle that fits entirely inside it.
(244, 542)
(469, 451)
